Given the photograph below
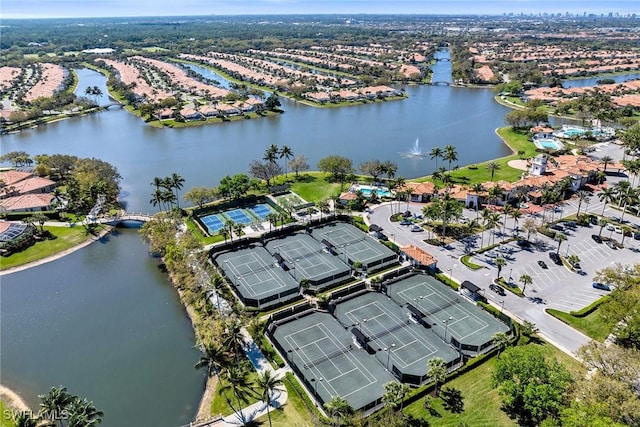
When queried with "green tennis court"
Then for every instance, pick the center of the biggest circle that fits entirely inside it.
(467, 326)
(330, 362)
(258, 280)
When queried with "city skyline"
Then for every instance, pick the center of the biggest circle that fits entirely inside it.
(123, 8)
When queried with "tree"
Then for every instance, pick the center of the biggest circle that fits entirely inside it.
(176, 182)
(450, 155)
(526, 280)
(200, 196)
(532, 387)
(55, 402)
(271, 153)
(559, 238)
(500, 263)
(583, 196)
(213, 357)
(24, 419)
(235, 187)
(266, 384)
(443, 209)
(299, 163)
(286, 152)
(452, 400)
(273, 102)
(528, 328)
(436, 153)
(374, 168)
(493, 167)
(605, 161)
(83, 413)
(339, 167)
(437, 371)
(235, 380)
(266, 171)
(338, 408)
(530, 226)
(501, 341)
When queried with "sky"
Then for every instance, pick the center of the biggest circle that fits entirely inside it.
(109, 8)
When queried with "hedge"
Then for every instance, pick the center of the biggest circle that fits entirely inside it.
(465, 260)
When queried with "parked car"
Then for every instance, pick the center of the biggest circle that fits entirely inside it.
(498, 289)
(557, 227)
(610, 227)
(601, 286)
(416, 228)
(542, 264)
(555, 258)
(570, 224)
(593, 220)
(406, 222)
(617, 230)
(596, 238)
(612, 245)
(523, 243)
(636, 235)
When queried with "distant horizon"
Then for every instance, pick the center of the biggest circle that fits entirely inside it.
(84, 9)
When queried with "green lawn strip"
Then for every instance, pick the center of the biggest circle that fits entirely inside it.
(202, 238)
(466, 260)
(478, 173)
(66, 238)
(219, 404)
(513, 289)
(6, 416)
(591, 324)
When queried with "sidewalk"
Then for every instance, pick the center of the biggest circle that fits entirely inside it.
(278, 396)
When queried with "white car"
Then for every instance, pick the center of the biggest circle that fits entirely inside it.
(618, 230)
(416, 228)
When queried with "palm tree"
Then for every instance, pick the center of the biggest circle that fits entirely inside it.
(54, 402)
(24, 419)
(437, 371)
(606, 195)
(450, 154)
(176, 184)
(287, 153)
(338, 408)
(224, 232)
(233, 338)
(266, 384)
(493, 222)
(492, 167)
(83, 413)
(394, 393)
(516, 214)
(526, 280)
(606, 160)
(271, 153)
(495, 193)
(486, 214)
(478, 189)
(500, 263)
(436, 153)
(583, 196)
(213, 357)
(501, 341)
(236, 379)
(273, 220)
(559, 238)
(507, 210)
(602, 223)
(230, 225)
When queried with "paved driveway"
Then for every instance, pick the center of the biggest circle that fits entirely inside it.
(555, 287)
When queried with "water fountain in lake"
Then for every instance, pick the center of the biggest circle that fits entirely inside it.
(415, 153)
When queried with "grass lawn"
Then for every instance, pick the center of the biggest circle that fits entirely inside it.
(312, 186)
(591, 324)
(5, 419)
(481, 400)
(478, 173)
(67, 237)
(204, 240)
(293, 414)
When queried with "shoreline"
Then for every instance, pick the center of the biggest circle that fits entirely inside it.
(58, 255)
(12, 399)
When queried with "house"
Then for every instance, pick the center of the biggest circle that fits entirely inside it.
(419, 192)
(15, 183)
(320, 97)
(209, 111)
(346, 197)
(228, 110)
(190, 114)
(27, 203)
(164, 114)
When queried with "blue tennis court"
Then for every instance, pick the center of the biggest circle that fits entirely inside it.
(262, 210)
(238, 216)
(212, 222)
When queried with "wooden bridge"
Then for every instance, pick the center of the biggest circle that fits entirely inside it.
(113, 104)
(440, 83)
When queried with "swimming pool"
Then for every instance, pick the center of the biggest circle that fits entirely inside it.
(547, 142)
(366, 190)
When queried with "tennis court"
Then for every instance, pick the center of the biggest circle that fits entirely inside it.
(467, 326)
(330, 362)
(258, 280)
(308, 259)
(239, 216)
(400, 344)
(213, 223)
(354, 245)
(261, 210)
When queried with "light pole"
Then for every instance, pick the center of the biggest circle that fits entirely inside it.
(295, 261)
(446, 326)
(346, 258)
(567, 254)
(388, 350)
(501, 306)
(450, 274)
(510, 271)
